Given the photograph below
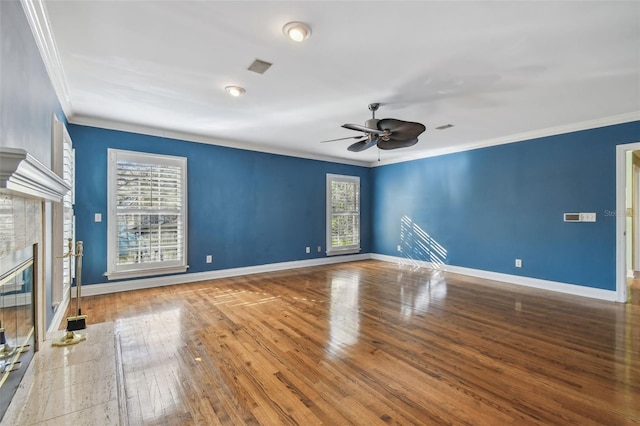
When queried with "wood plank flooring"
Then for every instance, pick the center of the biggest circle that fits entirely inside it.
(369, 343)
(633, 289)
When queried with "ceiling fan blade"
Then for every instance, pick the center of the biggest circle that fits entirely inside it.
(395, 144)
(401, 130)
(363, 129)
(362, 145)
(341, 139)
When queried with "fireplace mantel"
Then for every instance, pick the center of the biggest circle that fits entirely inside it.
(22, 174)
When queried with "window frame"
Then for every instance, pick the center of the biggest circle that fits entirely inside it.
(63, 216)
(350, 249)
(68, 208)
(115, 271)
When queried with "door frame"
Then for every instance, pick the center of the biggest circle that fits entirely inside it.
(635, 202)
(621, 216)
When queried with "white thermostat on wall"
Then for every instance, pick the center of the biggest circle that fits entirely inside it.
(579, 217)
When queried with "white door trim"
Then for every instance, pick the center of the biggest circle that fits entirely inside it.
(636, 217)
(621, 215)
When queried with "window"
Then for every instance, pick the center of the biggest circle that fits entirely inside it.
(147, 216)
(63, 221)
(68, 216)
(343, 214)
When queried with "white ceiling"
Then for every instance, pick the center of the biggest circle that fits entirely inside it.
(495, 69)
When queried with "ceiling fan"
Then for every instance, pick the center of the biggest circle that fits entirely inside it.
(386, 133)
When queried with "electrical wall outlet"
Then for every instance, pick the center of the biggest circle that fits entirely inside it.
(308, 249)
(209, 258)
(319, 249)
(399, 247)
(518, 263)
(97, 217)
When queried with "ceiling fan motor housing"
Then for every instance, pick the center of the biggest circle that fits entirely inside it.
(372, 123)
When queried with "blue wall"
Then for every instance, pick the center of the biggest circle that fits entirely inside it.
(27, 104)
(245, 208)
(484, 208)
(477, 209)
(27, 98)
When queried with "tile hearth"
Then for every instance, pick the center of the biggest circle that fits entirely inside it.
(76, 384)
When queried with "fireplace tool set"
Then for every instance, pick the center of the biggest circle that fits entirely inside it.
(6, 351)
(75, 322)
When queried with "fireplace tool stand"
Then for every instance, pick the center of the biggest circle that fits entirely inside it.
(6, 351)
(76, 322)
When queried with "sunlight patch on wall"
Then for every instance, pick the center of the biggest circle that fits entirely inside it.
(416, 244)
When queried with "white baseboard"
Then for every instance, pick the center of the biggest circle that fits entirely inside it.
(115, 287)
(577, 290)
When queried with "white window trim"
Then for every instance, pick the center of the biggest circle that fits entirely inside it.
(156, 268)
(346, 249)
(63, 226)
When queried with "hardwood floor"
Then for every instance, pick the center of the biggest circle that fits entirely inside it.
(372, 343)
(633, 288)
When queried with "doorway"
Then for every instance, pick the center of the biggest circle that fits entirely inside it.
(628, 223)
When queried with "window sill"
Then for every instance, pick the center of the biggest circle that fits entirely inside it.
(145, 272)
(343, 251)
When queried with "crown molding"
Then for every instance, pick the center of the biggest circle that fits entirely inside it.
(192, 137)
(36, 13)
(519, 137)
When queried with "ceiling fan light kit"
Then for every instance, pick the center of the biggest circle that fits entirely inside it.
(297, 31)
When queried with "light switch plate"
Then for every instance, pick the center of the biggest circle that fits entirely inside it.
(97, 217)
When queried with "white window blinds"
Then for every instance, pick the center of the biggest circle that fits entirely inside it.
(147, 213)
(343, 214)
(68, 217)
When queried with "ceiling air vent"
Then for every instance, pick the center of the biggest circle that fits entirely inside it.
(446, 126)
(259, 66)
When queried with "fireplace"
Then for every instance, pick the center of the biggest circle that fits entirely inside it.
(27, 189)
(17, 319)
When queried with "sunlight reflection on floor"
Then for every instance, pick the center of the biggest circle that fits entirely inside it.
(344, 315)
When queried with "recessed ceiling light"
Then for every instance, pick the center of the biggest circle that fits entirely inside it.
(297, 31)
(235, 90)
